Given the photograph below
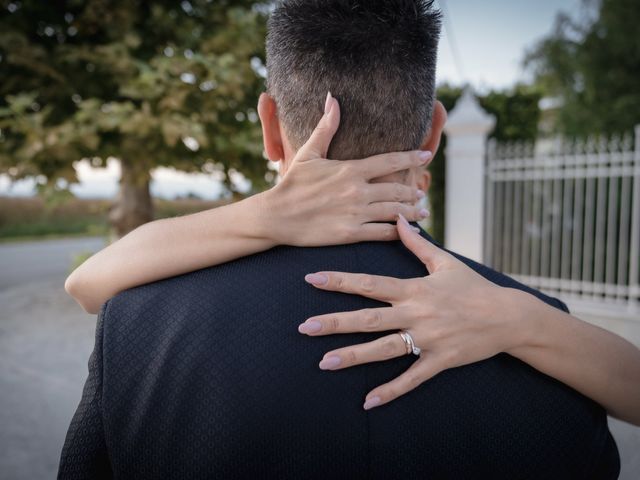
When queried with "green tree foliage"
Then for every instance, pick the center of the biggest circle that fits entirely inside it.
(517, 116)
(152, 83)
(593, 66)
(517, 113)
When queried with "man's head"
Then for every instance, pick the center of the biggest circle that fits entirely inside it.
(378, 59)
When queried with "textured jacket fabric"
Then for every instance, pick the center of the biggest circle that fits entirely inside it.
(205, 376)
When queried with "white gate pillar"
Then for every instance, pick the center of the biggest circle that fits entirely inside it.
(467, 129)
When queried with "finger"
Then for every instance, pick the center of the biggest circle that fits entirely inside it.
(419, 372)
(384, 289)
(389, 211)
(392, 192)
(366, 320)
(318, 144)
(385, 348)
(433, 257)
(388, 163)
(376, 232)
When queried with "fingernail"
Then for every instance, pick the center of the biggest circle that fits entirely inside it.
(403, 220)
(415, 229)
(424, 213)
(372, 402)
(316, 279)
(425, 156)
(330, 362)
(312, 326)
(327, 104)
(420, 194)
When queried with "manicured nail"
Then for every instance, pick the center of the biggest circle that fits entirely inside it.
(415, 229)
(317, 279)
(330, 362)
(420, 194)
(327, 104)
(403, 220)
(424, 213)
(425, 156)
(312, 326)
(372, 402)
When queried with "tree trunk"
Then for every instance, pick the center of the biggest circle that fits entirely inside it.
(133, 205)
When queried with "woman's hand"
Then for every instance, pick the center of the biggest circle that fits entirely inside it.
(454, 315)
(328, 202)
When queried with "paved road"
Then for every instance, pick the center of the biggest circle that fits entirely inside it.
(23, 263)
(45, 342)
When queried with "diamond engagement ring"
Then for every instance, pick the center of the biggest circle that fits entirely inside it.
(409, 343)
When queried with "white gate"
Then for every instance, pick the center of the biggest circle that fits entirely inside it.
(564, 217)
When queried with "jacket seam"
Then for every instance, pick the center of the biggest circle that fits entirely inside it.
(102, 318)
(359, 264)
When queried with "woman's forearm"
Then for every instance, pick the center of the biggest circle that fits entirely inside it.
(149, 253)
(593, 361)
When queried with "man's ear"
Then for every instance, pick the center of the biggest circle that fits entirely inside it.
(271, 134)
(432, 139)
(424, 180)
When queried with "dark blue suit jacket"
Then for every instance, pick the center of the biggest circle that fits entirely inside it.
(205, 375)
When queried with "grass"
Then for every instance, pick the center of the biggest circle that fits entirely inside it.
(78, 259)
(31, 218)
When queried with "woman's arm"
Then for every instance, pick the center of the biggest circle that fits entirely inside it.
(294, 213)
(594, 361)
(169, 247)
(457, 329)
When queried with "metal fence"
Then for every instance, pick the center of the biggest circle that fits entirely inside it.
(564, 217)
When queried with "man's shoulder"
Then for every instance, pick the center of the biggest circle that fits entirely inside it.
(500, 278)
(245, 278)
(286, 265)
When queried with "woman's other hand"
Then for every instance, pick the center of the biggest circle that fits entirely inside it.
(328, 202)
(454, 315)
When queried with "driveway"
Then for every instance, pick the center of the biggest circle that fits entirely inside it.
(45, 342)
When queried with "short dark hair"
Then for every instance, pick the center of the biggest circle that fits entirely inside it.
(377, 57)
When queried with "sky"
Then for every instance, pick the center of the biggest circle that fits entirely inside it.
(491, 38)
(483, 43)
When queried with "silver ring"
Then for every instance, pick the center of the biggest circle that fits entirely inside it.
(409, 343)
